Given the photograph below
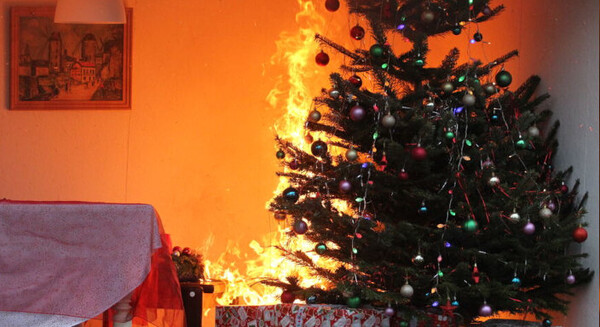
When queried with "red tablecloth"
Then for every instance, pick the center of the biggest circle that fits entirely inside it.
(76, 260)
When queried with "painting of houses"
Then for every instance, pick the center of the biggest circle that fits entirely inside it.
(68, 65)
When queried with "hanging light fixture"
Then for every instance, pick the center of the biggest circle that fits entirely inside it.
(90, 12)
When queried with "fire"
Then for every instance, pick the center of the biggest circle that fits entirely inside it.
(293, 96)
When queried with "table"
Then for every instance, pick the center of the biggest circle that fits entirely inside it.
(62, 263)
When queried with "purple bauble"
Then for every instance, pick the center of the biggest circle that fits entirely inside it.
(485, 310)
(357, 113)
(529, 228)
(345, 186)
(300, 227)
(570, 279)
(389, 311)
(551, 205)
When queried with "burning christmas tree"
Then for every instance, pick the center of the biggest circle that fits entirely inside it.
(433, 186)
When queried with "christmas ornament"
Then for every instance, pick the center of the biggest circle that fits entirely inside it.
(551, 205)
(423, 209)
(580, 234)
(419, 62)
(332, 5)
(545, 212)
(353, 302)
(300, 227)
(418, 153)
(564, 189)
(355, 80)
(389, 311)
(503, 78)
(418, 259)
(321, 248)
(447, 87)
(427, 16)
(521, 144)
(570, 279)
(516, 281)
(314, 116)
(533, 131)
(186, 251)
(468, 99)
(406, 290)
(470, 225)
(475, 274)
(311, 299)
(376, 51)
(287, 297)
(515, 216)
(456, 29)
(449, 135)
(487, 11)
(293, 164)
(388, 121)
(404, 324)
(357, 32)
(477, 37)
(345, 186)
(494, 181)
(403, 175)
(455, 303)
(334, 93)
(357, 113)
(291, 194)
(322, 59)
(485, 310)
(487, 164)
(280, 215)
(489, 89)
(319, 148)
(529, 228)
(351, 154)
(546, 323)
(280, 154)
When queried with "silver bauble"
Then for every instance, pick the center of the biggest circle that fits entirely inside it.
(447, 87)
(430, 105)
(314, 116)
(515, 216)
(533, 131)
(334, 93)
(427, 16)
(406, 290)
(418, 259)
(545, 212)
(351, 155)
(388, 121)
(489, 88)
(468, 99)
(493, 181)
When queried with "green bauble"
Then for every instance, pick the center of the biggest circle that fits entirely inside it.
(280, 154)
(353, 302)
(403, 324)
(419, 62)
(449, 135)
(321, 248)
(503, 78)
(376, 51)
(470, 225)
(521, 144)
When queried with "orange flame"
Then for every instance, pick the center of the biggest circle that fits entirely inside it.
(293, 96)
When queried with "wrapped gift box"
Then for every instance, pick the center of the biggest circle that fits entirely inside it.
(292, 315)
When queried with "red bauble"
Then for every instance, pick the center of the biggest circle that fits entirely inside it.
(564, 189)
(355, 80)
(580, 234)
(186, 251)
(403, 175)
(332, 5)
(287, 297)
(176, 249)
(357, 32)
(322, 58)
(294, 164)
(418, 153)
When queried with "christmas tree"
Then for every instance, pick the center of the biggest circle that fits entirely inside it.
(434, 185)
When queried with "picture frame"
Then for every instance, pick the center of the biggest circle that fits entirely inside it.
(68, 66)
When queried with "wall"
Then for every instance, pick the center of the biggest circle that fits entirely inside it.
(197, 143)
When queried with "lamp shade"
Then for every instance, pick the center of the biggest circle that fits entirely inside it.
(90, 12)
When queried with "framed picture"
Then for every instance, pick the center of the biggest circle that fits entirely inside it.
(68, 66)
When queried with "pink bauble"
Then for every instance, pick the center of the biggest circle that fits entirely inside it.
(529, 228)
(485, 310)
(345, 186)
(389, 311)
(570, 279)
(357, 113)
(418, 153)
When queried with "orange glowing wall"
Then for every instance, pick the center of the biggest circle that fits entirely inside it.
(198, 143)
